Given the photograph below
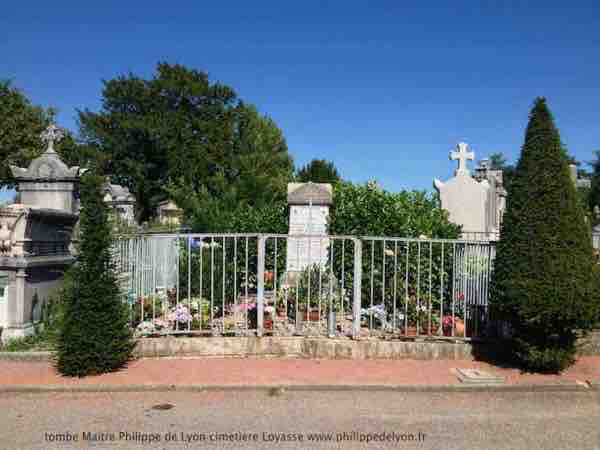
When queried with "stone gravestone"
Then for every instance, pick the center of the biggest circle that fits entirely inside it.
(465, 199)
(584, 183)
(309, 214)
(120, 201)
(496, 204)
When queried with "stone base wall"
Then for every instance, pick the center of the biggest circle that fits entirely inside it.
(300, 347)
(325, 348)
(589, 345)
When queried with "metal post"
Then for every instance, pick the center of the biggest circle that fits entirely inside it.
(357, 288)
(260, 294)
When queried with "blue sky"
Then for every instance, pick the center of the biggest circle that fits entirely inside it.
(383, 88)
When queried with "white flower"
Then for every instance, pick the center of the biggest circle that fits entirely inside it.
(145, 327)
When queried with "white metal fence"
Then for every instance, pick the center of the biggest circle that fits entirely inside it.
(245, 284)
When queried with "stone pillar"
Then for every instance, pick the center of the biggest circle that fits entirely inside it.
(18, 316)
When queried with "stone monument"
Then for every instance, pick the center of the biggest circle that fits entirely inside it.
(35, 236)
(48, 182)
(465, 199)
(309, 215)
(496, 204)
(121, 202)
(168, 213)
(584, 183)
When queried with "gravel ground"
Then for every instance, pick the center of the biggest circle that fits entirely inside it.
(479, 420)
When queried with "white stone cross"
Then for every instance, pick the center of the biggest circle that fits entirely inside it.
(462, 155)
(51, 135)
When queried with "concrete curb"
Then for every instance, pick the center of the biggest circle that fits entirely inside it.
(269, 388)
(26, 356)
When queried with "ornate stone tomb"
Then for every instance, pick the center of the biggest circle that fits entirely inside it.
(35, 237)
(120, 201)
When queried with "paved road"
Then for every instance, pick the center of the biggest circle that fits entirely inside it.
(440, 420)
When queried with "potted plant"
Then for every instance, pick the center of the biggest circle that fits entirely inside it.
(455, 323)
(430, 325)
(283, 295)
(313, 291)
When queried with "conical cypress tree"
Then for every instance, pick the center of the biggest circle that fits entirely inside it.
(94, 335)
(544, 275)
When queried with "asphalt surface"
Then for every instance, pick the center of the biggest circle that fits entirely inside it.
(294, 420)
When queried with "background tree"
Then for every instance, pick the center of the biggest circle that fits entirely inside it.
(254, 179)
(94, 336)
(319, 171)
(22, 123)
(543, 281)
(367, 210)
(179, 130)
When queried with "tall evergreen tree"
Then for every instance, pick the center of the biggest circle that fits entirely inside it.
(94, 337)
(543, 282)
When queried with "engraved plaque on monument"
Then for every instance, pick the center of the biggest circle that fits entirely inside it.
(309, 214)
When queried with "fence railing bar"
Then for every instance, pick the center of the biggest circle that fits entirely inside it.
(189, 288)
(260, 295)
(418, 302)
(395, 312)
(320, 275)
(246, 302)
(235, 275)
(383, 248)
(406, 270)
(212, 282)
(357, 301)
(201, 270)
(443, 272)
(455, 274)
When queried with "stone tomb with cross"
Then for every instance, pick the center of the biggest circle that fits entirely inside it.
(470, 202)
(35, 238)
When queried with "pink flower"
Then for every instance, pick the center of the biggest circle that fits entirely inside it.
(448, 321)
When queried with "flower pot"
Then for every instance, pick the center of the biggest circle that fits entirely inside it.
(410, 331)
(312, 316)
(459, 329)
(433, 331)
(268, 324)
